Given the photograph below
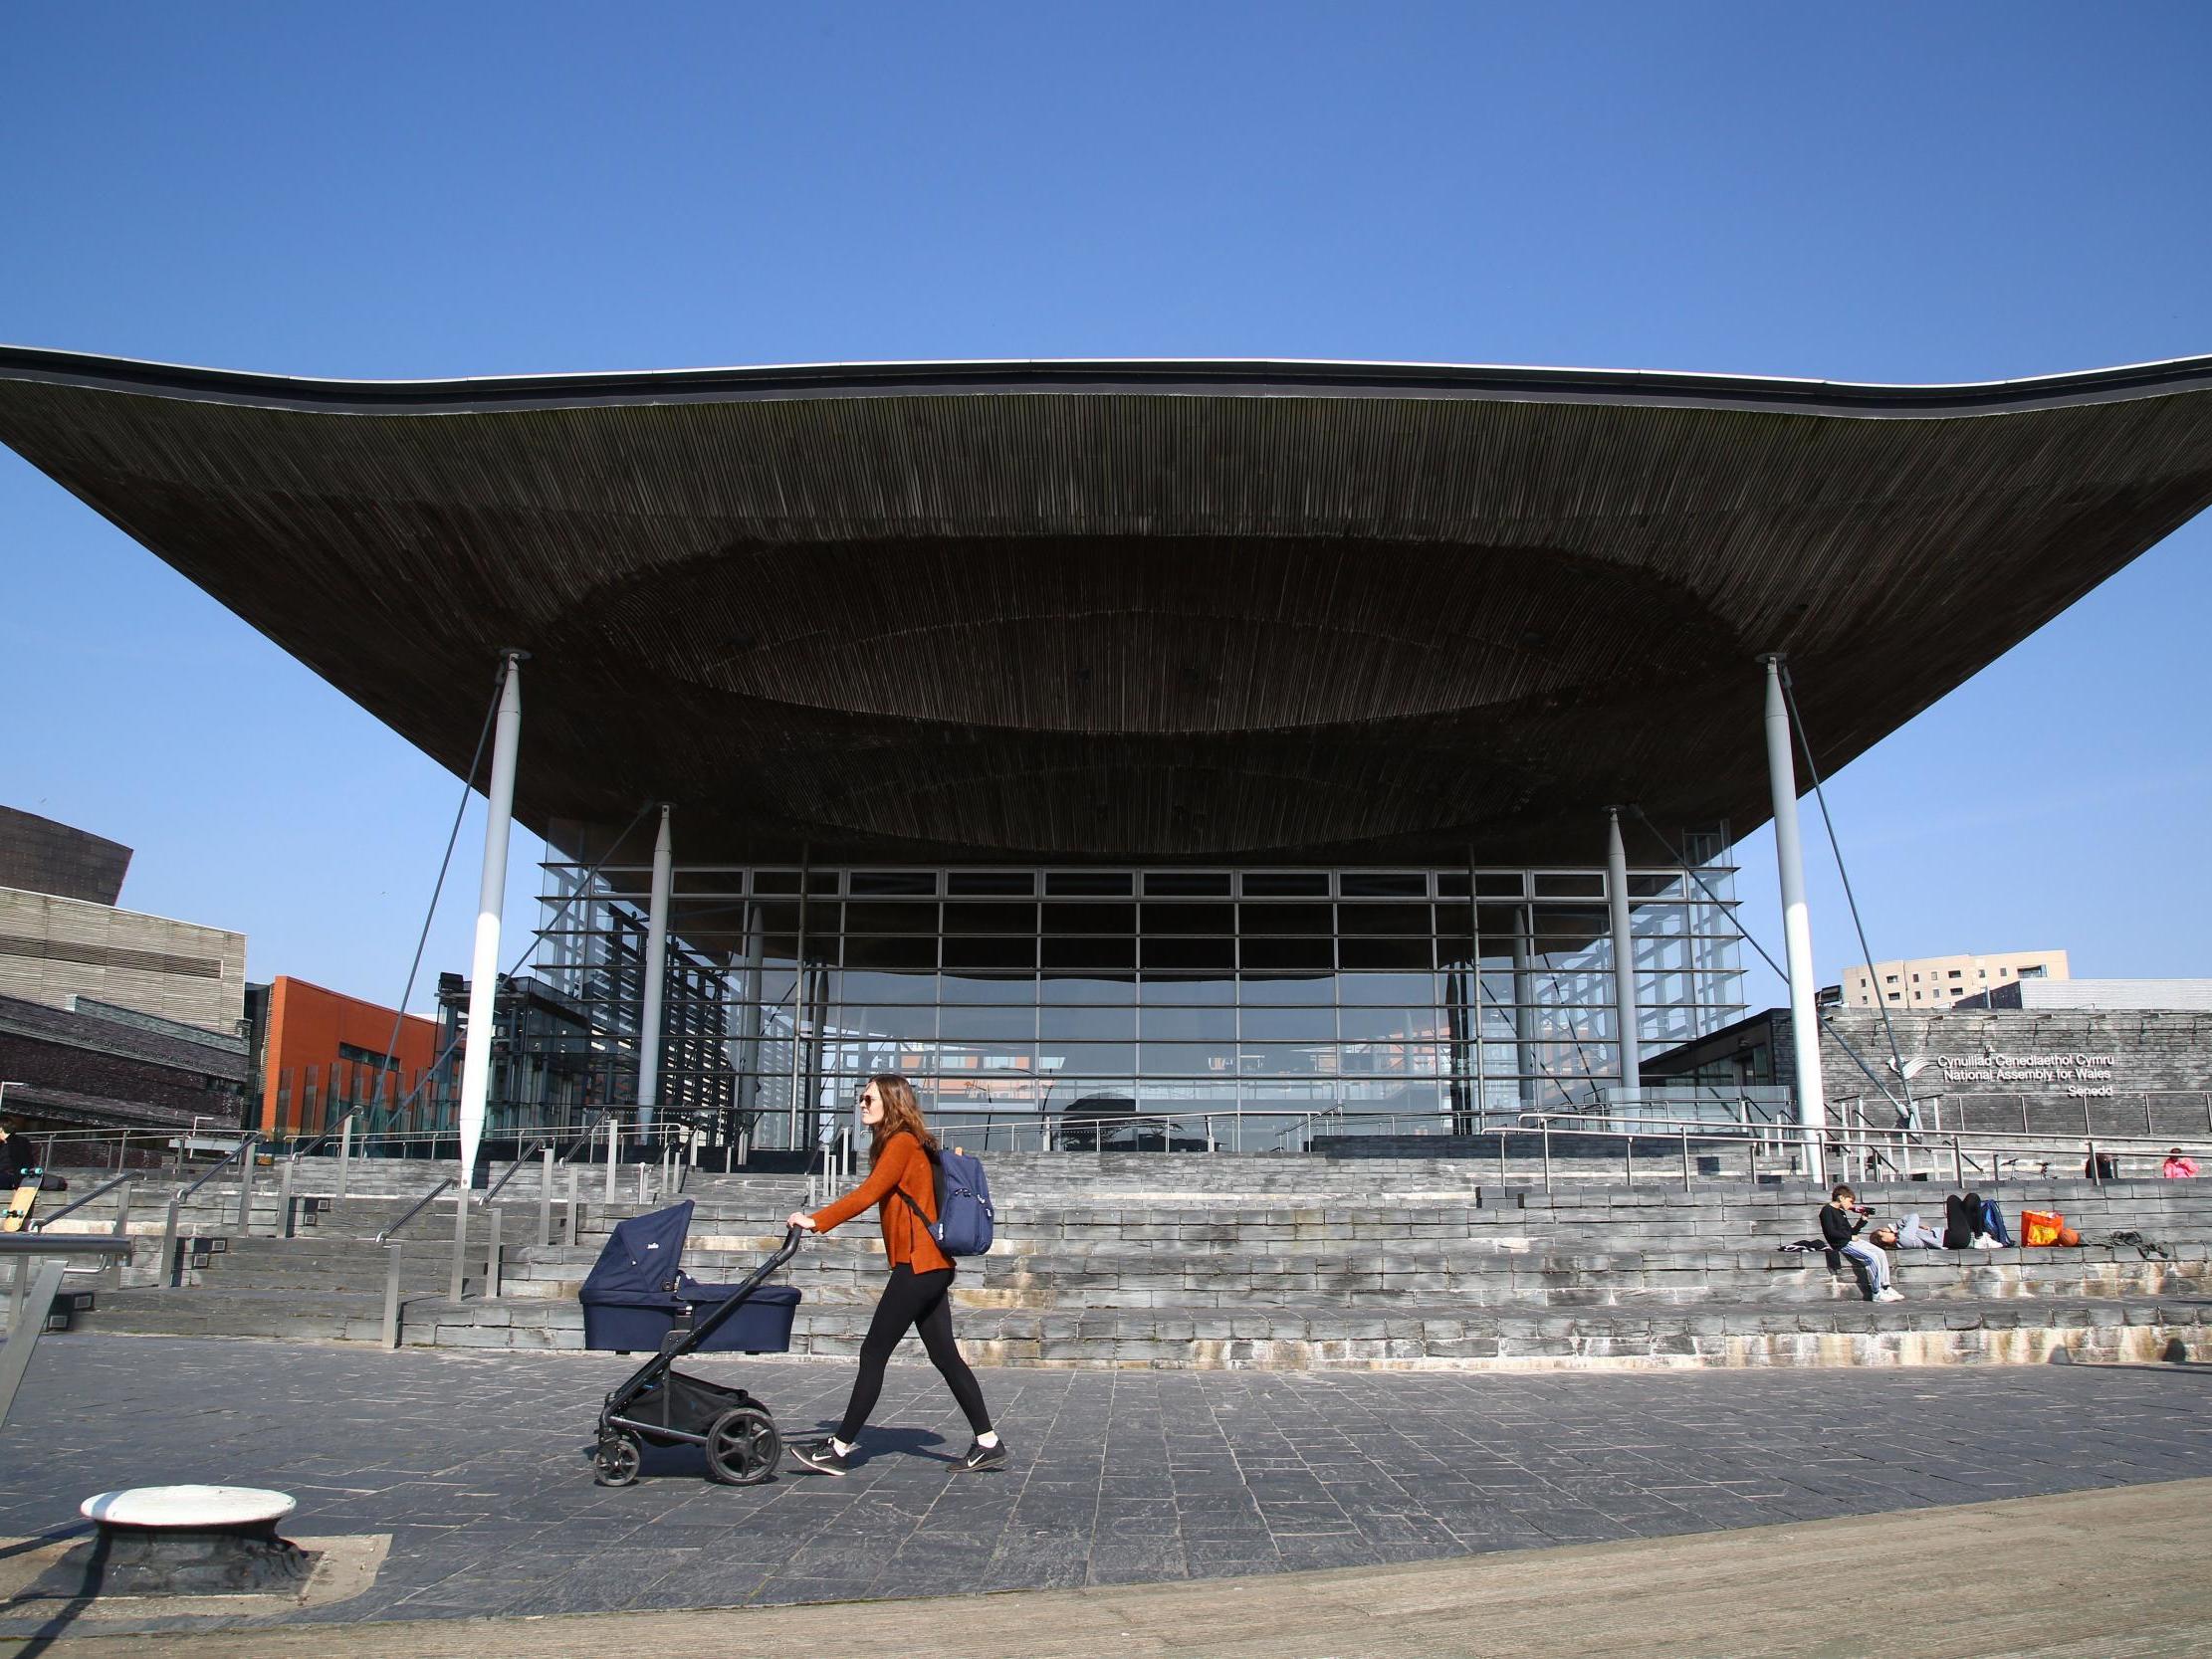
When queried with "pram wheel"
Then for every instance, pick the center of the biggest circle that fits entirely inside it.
(743, 1447)
(616, 1459)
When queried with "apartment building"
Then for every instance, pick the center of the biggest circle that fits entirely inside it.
(1929, 982)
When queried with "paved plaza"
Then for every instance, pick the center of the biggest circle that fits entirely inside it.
(478, 1468)
(2111, 1574)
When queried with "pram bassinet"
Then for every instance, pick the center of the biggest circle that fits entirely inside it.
(637, 1294)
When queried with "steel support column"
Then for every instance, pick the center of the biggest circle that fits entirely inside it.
(1624, 958)
(1797, 928)
(750, 1027)
(1524, 993)
(476, 1045)
(656, 974)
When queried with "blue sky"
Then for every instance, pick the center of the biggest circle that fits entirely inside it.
(1852, 192)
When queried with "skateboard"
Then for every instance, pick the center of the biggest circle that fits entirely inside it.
(19, 1206)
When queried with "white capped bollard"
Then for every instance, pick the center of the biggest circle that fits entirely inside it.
(195, 1541)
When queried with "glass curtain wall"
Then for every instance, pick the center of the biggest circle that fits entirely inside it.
(565, 1042)
(1146, 1007)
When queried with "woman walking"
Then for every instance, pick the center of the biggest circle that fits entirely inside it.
(900, 1183)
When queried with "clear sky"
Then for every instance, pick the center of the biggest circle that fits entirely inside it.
(1916, 193)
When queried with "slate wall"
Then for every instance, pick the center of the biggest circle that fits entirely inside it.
(2058, 1072)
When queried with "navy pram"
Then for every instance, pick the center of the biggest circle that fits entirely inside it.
(638, 1295)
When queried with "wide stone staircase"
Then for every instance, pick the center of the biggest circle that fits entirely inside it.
(1249, 1260)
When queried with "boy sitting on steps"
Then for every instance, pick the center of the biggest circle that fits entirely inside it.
(1841, 1219)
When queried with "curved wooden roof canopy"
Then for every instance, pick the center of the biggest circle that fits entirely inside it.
(1251, 612)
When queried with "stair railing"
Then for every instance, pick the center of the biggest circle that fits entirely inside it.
(100, 1191)
(344, 1135)
(243, 1153)
(32, 1297)
(390, 1245)
(524, 1156)
(1961, 1156)
(414, 1209)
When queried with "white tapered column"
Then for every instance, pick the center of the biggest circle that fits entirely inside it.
(656, 972)
(1624, 958)
(476, 1044)
(1797, 926)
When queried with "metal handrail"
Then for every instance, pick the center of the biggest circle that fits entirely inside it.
(245, 1148)
(307, 1148)
(207, 1130)
(1309, 1122)
(576, 1140)
(25, 1329)
(87, 1149)
(1988, 1153)
(2200, 1094)
(69, 1244)
(576, 1130)
(2065, 1145)
(529, 1151)
(583, 1136)
(1310, 1119)
(100, 1191)
(419, 1205)
(1052, 1129)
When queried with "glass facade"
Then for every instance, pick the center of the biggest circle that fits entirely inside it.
(1223, 1006)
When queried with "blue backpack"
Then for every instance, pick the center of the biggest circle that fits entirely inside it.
(1993, 1222)
(964, 1219)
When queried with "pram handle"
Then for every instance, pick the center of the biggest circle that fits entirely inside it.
(784, 1252)
(707, 1327)
(658, 1365)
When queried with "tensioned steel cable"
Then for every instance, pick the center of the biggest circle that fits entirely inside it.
(1780, 973)
(1482, 990)
(1574, 1034)
(1551, 972)
(461, 1036)
(437, 891)
(1574, 1029)
(1820, 796)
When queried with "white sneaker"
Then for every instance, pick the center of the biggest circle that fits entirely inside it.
(1982, 1241)
(1890, 1295)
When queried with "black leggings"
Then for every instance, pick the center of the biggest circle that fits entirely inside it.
(923, 1301)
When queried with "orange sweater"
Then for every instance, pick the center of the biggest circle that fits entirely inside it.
(904, 1167)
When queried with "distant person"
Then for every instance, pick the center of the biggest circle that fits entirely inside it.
(2099, 1166)
(2178, 1165)
(903, 1185)
(1912, 1234)
(18, 1156)
(1841, 1217)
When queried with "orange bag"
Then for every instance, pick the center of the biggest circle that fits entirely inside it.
(2038, 1228)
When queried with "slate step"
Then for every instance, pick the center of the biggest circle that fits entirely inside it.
(1281, 1261)
(1307, 1338)
(1790, 1287)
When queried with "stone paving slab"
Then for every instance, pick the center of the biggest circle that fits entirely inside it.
(478, 1467)
(2111, 1574)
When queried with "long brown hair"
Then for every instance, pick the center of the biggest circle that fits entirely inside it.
(902, 1114)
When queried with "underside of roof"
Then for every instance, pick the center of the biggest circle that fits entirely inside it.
(977, 613)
